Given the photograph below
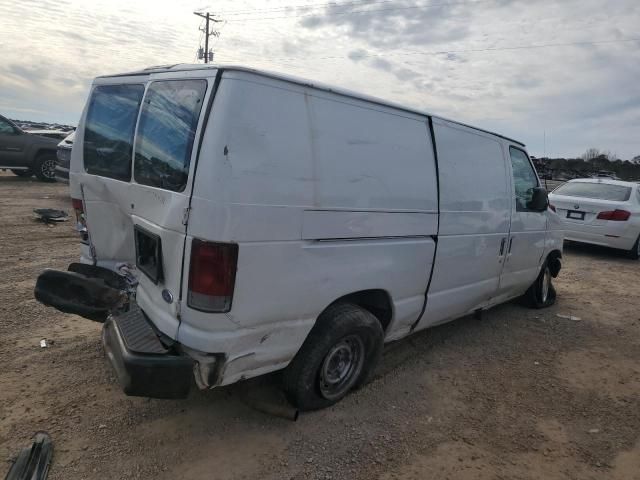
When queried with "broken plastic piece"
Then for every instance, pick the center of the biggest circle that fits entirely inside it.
(32, 463)
(111, 278)
(72, 292)
(48, 215)
(568, 317)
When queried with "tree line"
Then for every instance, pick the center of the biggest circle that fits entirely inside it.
(589, 163)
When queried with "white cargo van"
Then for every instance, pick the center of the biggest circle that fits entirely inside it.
(237, 222)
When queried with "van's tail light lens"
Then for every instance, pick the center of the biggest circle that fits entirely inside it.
(615, 215)
(212, 275)
(81, 220)
(552, 207)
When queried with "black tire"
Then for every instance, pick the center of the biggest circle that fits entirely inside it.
(537, 296)
(342, 331)
(45, 167)
(634, 253)
(22, 173)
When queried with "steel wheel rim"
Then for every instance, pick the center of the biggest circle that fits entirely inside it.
(546, 282)
(341, 367)
(48, 168)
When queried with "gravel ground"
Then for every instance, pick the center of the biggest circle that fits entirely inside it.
(519, 394)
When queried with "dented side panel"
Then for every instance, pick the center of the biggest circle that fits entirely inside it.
(313, 187)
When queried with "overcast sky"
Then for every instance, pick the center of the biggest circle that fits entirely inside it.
(469, 60)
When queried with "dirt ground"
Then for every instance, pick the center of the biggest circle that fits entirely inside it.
(519, 394)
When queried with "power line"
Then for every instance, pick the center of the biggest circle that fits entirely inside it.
(195, 57)
(470, 50)
(307, 6)
(265, 35)
(356, 12)
(208, 17)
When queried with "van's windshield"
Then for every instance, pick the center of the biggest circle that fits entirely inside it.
(166, 132)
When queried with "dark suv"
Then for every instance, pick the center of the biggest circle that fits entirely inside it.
(26, 154)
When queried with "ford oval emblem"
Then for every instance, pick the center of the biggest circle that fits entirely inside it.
(167, 296)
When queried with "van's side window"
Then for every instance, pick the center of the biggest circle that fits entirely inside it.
(524, 178)
(109, 129)
(167, 128)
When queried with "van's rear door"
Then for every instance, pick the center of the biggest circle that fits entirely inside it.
(140, 141)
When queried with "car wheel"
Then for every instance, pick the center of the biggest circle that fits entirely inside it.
(22, 173)
(541, 293)
(340, 353)
(634, 253)
(45, 168)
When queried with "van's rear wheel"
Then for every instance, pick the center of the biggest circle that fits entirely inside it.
(45, 167)
(340, 354)
(542, 293)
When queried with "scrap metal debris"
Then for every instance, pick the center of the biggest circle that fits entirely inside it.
(50, 215)
(568, 317)
(32, 463)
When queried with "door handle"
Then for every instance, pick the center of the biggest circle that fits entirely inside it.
(510, 245)
(502, 243)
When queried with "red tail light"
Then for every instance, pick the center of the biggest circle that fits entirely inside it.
(212, 275)
(552, 207)
(81, 221)
(615, 215)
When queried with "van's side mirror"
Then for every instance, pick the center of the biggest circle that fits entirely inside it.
(539, 200)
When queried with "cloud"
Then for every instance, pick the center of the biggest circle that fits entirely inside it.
(448, 57)
(357, 55)
(381, 64)
(405, 23)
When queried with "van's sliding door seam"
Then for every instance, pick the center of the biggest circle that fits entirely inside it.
(435, 237)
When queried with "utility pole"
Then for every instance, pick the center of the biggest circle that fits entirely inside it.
(209, 18)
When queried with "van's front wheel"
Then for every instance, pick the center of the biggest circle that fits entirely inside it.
(340, 354)
(542, 293)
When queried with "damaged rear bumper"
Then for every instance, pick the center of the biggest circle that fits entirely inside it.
(86, 290)
(147, 362)
(145, 366)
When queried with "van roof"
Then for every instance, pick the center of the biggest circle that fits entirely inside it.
(300, 81)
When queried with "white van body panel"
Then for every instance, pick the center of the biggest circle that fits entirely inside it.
(309, 192)
(326, 193)
(474, 221)
(526, 243)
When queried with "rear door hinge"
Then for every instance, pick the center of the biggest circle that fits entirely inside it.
(185, 215)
